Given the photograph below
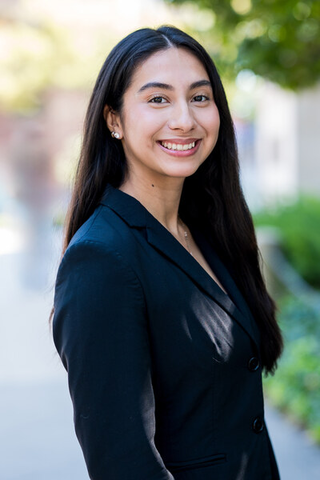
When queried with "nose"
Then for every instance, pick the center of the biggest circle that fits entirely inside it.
(181, 117)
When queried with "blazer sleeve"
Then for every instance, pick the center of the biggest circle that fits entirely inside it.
(100, 331)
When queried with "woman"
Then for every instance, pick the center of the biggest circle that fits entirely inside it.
(162, 318)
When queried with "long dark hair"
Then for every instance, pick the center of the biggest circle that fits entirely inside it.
(212, 198)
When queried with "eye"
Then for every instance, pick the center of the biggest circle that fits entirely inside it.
(157, 99)
(200, 98)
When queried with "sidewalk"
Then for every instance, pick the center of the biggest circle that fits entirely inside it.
(37, 439)
(298, 458)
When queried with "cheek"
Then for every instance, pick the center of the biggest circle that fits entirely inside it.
(154, 120)
(143, 124)
(214, 122)
(212, 127)
(209, 120)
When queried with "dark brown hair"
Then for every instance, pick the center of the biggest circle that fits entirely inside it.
(212, 198)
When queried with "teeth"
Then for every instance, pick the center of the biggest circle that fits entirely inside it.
(178, 146)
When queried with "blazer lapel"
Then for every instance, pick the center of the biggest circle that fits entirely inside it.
(136, 215)
(226, 279)
(164, 242)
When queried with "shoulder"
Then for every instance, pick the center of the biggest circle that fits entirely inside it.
(95, 286)
(103, 227)
(102, 245)
(105, 231)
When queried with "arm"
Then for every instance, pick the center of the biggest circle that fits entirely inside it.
(100, 331)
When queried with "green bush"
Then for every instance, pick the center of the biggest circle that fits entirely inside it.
(295, 388)
(299, 227)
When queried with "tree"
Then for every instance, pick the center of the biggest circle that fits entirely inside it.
(278, 40)
(38, 53)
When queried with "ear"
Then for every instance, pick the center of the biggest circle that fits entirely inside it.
(112, 119)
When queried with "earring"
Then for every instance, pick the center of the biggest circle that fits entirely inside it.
(115, 135)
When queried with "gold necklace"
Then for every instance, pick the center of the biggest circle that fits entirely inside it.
(186, 236)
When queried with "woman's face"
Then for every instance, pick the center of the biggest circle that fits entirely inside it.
(169, 122)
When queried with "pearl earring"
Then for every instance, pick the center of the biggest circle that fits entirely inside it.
(115, 135)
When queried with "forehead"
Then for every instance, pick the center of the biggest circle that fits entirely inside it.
(171, 66)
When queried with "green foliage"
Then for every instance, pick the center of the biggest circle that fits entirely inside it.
(277, 40)
(45, 55)
(299, 226)
(31, 62)
(295, 388)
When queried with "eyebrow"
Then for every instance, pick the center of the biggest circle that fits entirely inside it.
(165, 86)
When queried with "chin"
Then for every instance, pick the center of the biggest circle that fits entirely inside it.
(182, 171)
(187, 172)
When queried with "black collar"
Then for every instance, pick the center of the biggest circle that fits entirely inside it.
(136, 215)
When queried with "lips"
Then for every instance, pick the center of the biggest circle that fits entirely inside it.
(175, 146)
(178, 146)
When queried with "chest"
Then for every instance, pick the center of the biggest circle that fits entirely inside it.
(190, 330)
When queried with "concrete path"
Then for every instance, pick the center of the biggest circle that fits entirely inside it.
(37, 441)
(298, 458)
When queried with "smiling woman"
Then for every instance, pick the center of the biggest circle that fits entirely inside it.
(171, 95)
(161, 315)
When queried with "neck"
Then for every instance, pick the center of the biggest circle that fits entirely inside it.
(161, 200)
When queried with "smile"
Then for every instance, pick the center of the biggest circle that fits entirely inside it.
(178, 146)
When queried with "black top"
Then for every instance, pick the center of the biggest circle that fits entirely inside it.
(163, 366)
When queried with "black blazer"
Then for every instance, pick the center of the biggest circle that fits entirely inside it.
(163, 366)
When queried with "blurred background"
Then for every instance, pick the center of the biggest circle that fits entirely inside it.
(268, 55)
